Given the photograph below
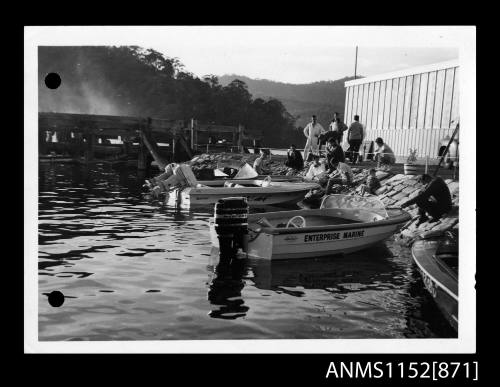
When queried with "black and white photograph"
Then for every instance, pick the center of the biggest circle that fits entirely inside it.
(250, 189)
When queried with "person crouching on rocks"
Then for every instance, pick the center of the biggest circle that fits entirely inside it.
(261, 163)
(435, 199)
(346, 176)
(294, 158)
(384, 156)
(372, 183)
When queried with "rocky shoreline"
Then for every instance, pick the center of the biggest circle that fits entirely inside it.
(395, 189)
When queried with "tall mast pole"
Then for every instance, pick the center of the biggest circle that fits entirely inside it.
(356, 63)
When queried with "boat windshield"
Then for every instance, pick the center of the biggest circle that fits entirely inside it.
(354, 202)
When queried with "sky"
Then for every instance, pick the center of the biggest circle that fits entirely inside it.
(303, 64)
(292, 54)
(298, 54)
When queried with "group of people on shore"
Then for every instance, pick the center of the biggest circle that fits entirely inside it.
(316, 136)
(332, 169)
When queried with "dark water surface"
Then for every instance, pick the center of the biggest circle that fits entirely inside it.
(132, 269)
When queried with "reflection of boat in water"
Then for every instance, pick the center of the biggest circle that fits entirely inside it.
(342, 224)
(437, 260)
(340, 275)
(225, 285)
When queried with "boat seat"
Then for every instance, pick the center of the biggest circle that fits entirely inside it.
(264, 222)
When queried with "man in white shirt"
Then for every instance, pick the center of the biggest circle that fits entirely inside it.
(316, 171)
(312, 132)
(384, 154)
(345, 178)
(261, 163)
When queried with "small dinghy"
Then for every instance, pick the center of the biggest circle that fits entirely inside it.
(342, 224)
(437, 261)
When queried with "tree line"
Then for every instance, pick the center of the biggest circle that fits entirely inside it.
(131, 80)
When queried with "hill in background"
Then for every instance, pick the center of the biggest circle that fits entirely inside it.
(301, 100)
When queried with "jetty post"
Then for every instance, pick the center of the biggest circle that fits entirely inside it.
(89, 138)
(143, 150)
(240, 138)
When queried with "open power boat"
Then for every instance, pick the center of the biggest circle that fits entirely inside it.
(188, 191)
(342, 224)
(257, 192)
(437, 261)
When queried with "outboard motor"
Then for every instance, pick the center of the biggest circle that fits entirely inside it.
(231, 225)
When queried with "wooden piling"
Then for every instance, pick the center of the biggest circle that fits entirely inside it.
(240, 138)
(89, 148)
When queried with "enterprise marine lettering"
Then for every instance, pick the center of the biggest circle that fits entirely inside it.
(333, 236)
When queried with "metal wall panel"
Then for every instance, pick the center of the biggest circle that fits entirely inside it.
(354, 103)
(387, 104)
(348, 101)
(438, 102)
(414, 101)
(447, 98)
(381, 105)
(394, 103)
(364, 109)
(407, 102)
(422, 100)
(401, 102)
(376, 104)
(429, 107)
(455, 105)
(369, 107)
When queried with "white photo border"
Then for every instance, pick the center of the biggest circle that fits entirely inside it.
(462, 37)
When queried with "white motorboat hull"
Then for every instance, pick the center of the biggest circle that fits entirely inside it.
(317, 241)
(276, 193)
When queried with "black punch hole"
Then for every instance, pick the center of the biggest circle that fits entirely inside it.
(56, 298)
(52, 80)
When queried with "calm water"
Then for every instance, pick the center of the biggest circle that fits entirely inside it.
(132, 269)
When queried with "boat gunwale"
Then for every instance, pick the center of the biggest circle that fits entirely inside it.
(401, 218)
(417, 246)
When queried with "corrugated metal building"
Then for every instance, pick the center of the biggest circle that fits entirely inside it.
(412, 108)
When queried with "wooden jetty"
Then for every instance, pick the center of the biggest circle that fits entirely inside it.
(86, 138)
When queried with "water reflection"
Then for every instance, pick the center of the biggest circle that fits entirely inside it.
(226, 281)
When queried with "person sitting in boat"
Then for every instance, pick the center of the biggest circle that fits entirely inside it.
(383, 154)
(316, 171)
(294, 158)
(435, 199)
(261, 163)
(372, 183)
(334, 154)
(346, 176)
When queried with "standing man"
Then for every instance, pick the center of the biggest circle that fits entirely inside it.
(355, 135)
(340, 127)
(312, 132)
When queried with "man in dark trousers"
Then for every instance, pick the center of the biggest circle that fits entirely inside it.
(294, 158)
(355, 135)
(434, 200)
